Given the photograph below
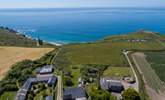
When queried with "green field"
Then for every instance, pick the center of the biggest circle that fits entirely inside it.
(156, 59)
(118, 72)
(8, 96)
(108, 51)
(148, 72)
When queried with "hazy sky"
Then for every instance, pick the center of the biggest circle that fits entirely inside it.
(79, 3)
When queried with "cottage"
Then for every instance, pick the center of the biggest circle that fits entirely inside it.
(111, 85)
(74, 94)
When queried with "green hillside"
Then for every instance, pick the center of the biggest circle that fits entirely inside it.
(109, 50)
(8, 38)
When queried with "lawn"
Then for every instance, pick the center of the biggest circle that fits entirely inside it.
(8, 95)
(11, 55)
(76, 74)
(118, 72)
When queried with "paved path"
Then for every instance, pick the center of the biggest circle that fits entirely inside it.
(136, 78)
(59, 88)
(56, 55)
(59, 79)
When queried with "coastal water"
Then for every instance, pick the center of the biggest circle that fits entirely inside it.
(82, 24)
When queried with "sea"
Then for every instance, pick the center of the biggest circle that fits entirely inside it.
(77, 25)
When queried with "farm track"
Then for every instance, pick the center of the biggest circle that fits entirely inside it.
(59, 82)
(133, 70)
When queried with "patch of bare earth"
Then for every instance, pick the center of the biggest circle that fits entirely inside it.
(154, 95)
(11, 55)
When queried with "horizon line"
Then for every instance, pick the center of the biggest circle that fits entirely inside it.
(78, 7)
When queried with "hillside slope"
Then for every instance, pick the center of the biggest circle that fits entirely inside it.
(10, 38)
(109, 50)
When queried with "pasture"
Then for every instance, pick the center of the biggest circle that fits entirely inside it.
(11, 55)
(109, 50)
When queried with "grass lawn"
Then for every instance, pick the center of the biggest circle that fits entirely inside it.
(76, 74)
(8, 96)
(118, 72)
(106, 52)
(39, 95)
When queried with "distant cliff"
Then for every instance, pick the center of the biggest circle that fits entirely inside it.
(10, 37)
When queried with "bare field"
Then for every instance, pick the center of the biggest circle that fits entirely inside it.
(11, 55)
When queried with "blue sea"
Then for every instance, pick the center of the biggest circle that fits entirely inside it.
(70, 25)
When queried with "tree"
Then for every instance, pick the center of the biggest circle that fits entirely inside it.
(130, 94)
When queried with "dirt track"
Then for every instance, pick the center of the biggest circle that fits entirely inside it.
(11, 55)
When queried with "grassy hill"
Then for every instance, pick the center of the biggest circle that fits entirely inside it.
(9, 37)
(109, 50)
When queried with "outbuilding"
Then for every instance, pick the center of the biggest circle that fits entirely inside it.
(48, 69)
(111, 85)
(77, 93)
(49, 98)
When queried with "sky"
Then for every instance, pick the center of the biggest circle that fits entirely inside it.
(79, 3)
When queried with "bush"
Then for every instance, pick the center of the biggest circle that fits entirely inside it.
(30, 96)
(92, 72)
(97, 94)
(68, 81)
(10, 87)
(130, 94)
(1, 90)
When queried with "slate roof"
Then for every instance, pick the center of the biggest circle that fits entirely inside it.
(74, 93)
(116, 87)
(46, 69)
(49, 98)
(20, 97)
(21, 94)
(52, 81)
(27, 85)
